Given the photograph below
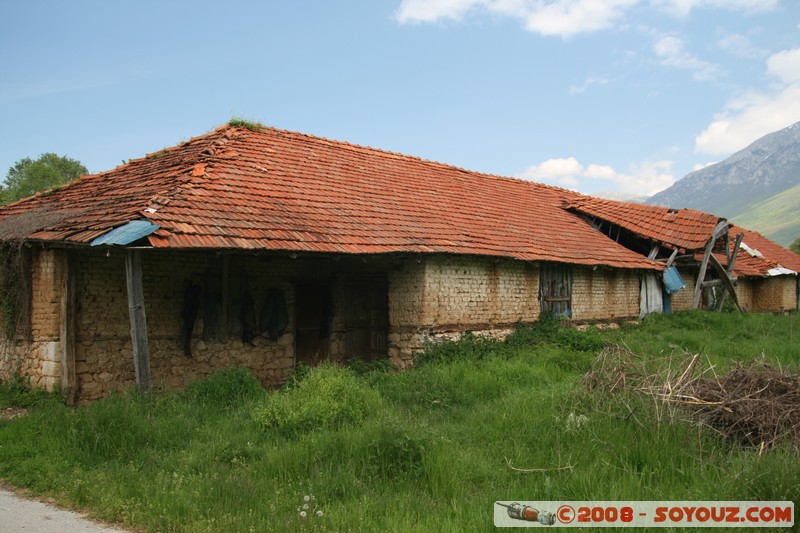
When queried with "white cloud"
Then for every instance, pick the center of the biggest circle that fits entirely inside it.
(785, 65)
(588, 82)
(433, 10)
(671, 52)
(570, 17)
(755, 113)
(546, 17)
(643, 179)
(700, 166)
(564, 18)
(741, 46)
(682, 8)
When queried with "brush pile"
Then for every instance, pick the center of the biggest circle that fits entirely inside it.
(754, 404)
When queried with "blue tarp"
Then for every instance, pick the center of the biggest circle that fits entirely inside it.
(127, 233)
(673, 282)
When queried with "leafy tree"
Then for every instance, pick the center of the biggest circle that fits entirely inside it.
(795, 246)
(29, 176)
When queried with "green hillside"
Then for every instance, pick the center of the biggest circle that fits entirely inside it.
(777, 218)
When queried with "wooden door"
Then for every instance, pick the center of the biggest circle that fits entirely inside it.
(367, 317)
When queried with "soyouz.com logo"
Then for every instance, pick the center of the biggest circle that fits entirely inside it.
(643, 514)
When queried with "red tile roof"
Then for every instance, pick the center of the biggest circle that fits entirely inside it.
(759, 255)
(234, 188)
(685, 228)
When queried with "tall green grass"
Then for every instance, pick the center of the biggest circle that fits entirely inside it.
(429, 449)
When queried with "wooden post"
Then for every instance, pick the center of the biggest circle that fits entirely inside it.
(141, 354)
(721, 226)
(69, 386)
(223, 315)
(731, 262)
(726, 280)
(672, 257)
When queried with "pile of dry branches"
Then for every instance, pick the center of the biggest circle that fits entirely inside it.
(755, 404)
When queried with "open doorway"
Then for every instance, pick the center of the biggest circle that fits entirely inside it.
(313, 314)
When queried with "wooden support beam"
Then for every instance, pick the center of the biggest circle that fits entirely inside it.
(654, 251)
(726, 280)
(69, 385)
(672, 258)
(718, 283)
(731, 262)
(722, 226)
(141, 353)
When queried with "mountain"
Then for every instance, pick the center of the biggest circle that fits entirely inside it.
(758, 187)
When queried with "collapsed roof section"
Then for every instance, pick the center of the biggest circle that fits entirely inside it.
(688, 231)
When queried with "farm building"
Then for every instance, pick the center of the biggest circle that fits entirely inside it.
(262, 248)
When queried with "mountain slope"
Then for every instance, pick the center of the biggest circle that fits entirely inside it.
(777, 218)
(752, 186)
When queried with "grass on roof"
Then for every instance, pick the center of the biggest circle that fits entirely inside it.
(244, 123)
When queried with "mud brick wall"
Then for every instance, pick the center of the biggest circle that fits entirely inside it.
(774, 294)
(104, 360)
(441, 297)
(464, 293)
(682, 300)
(745, 292)
(603, 294)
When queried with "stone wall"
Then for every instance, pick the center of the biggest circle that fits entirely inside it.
(406, 300)
(38, 358)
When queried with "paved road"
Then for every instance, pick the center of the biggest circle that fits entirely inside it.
(28, 516)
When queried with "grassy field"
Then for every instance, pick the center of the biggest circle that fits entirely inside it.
(429, 449)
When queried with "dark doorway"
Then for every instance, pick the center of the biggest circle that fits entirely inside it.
(312, 318)
(367, 317)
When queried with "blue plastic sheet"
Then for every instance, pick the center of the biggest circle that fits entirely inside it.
(127, 233)
(673, 282)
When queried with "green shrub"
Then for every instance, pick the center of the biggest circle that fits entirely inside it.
(361, 366)
(227, 388)
(550, 329)
(395, 450)
(17, 392)
(329, 396)
(468, 346)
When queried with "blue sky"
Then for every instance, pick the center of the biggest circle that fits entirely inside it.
(620, 96)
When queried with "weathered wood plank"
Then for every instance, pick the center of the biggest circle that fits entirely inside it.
(731, 262)
(672, 258)
(717, 283)
(69, 386)
(223, 315)
(722, 226)
(141, 353)
(726, 280)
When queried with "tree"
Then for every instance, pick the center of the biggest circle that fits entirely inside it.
(29, 176)
(795, 246)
